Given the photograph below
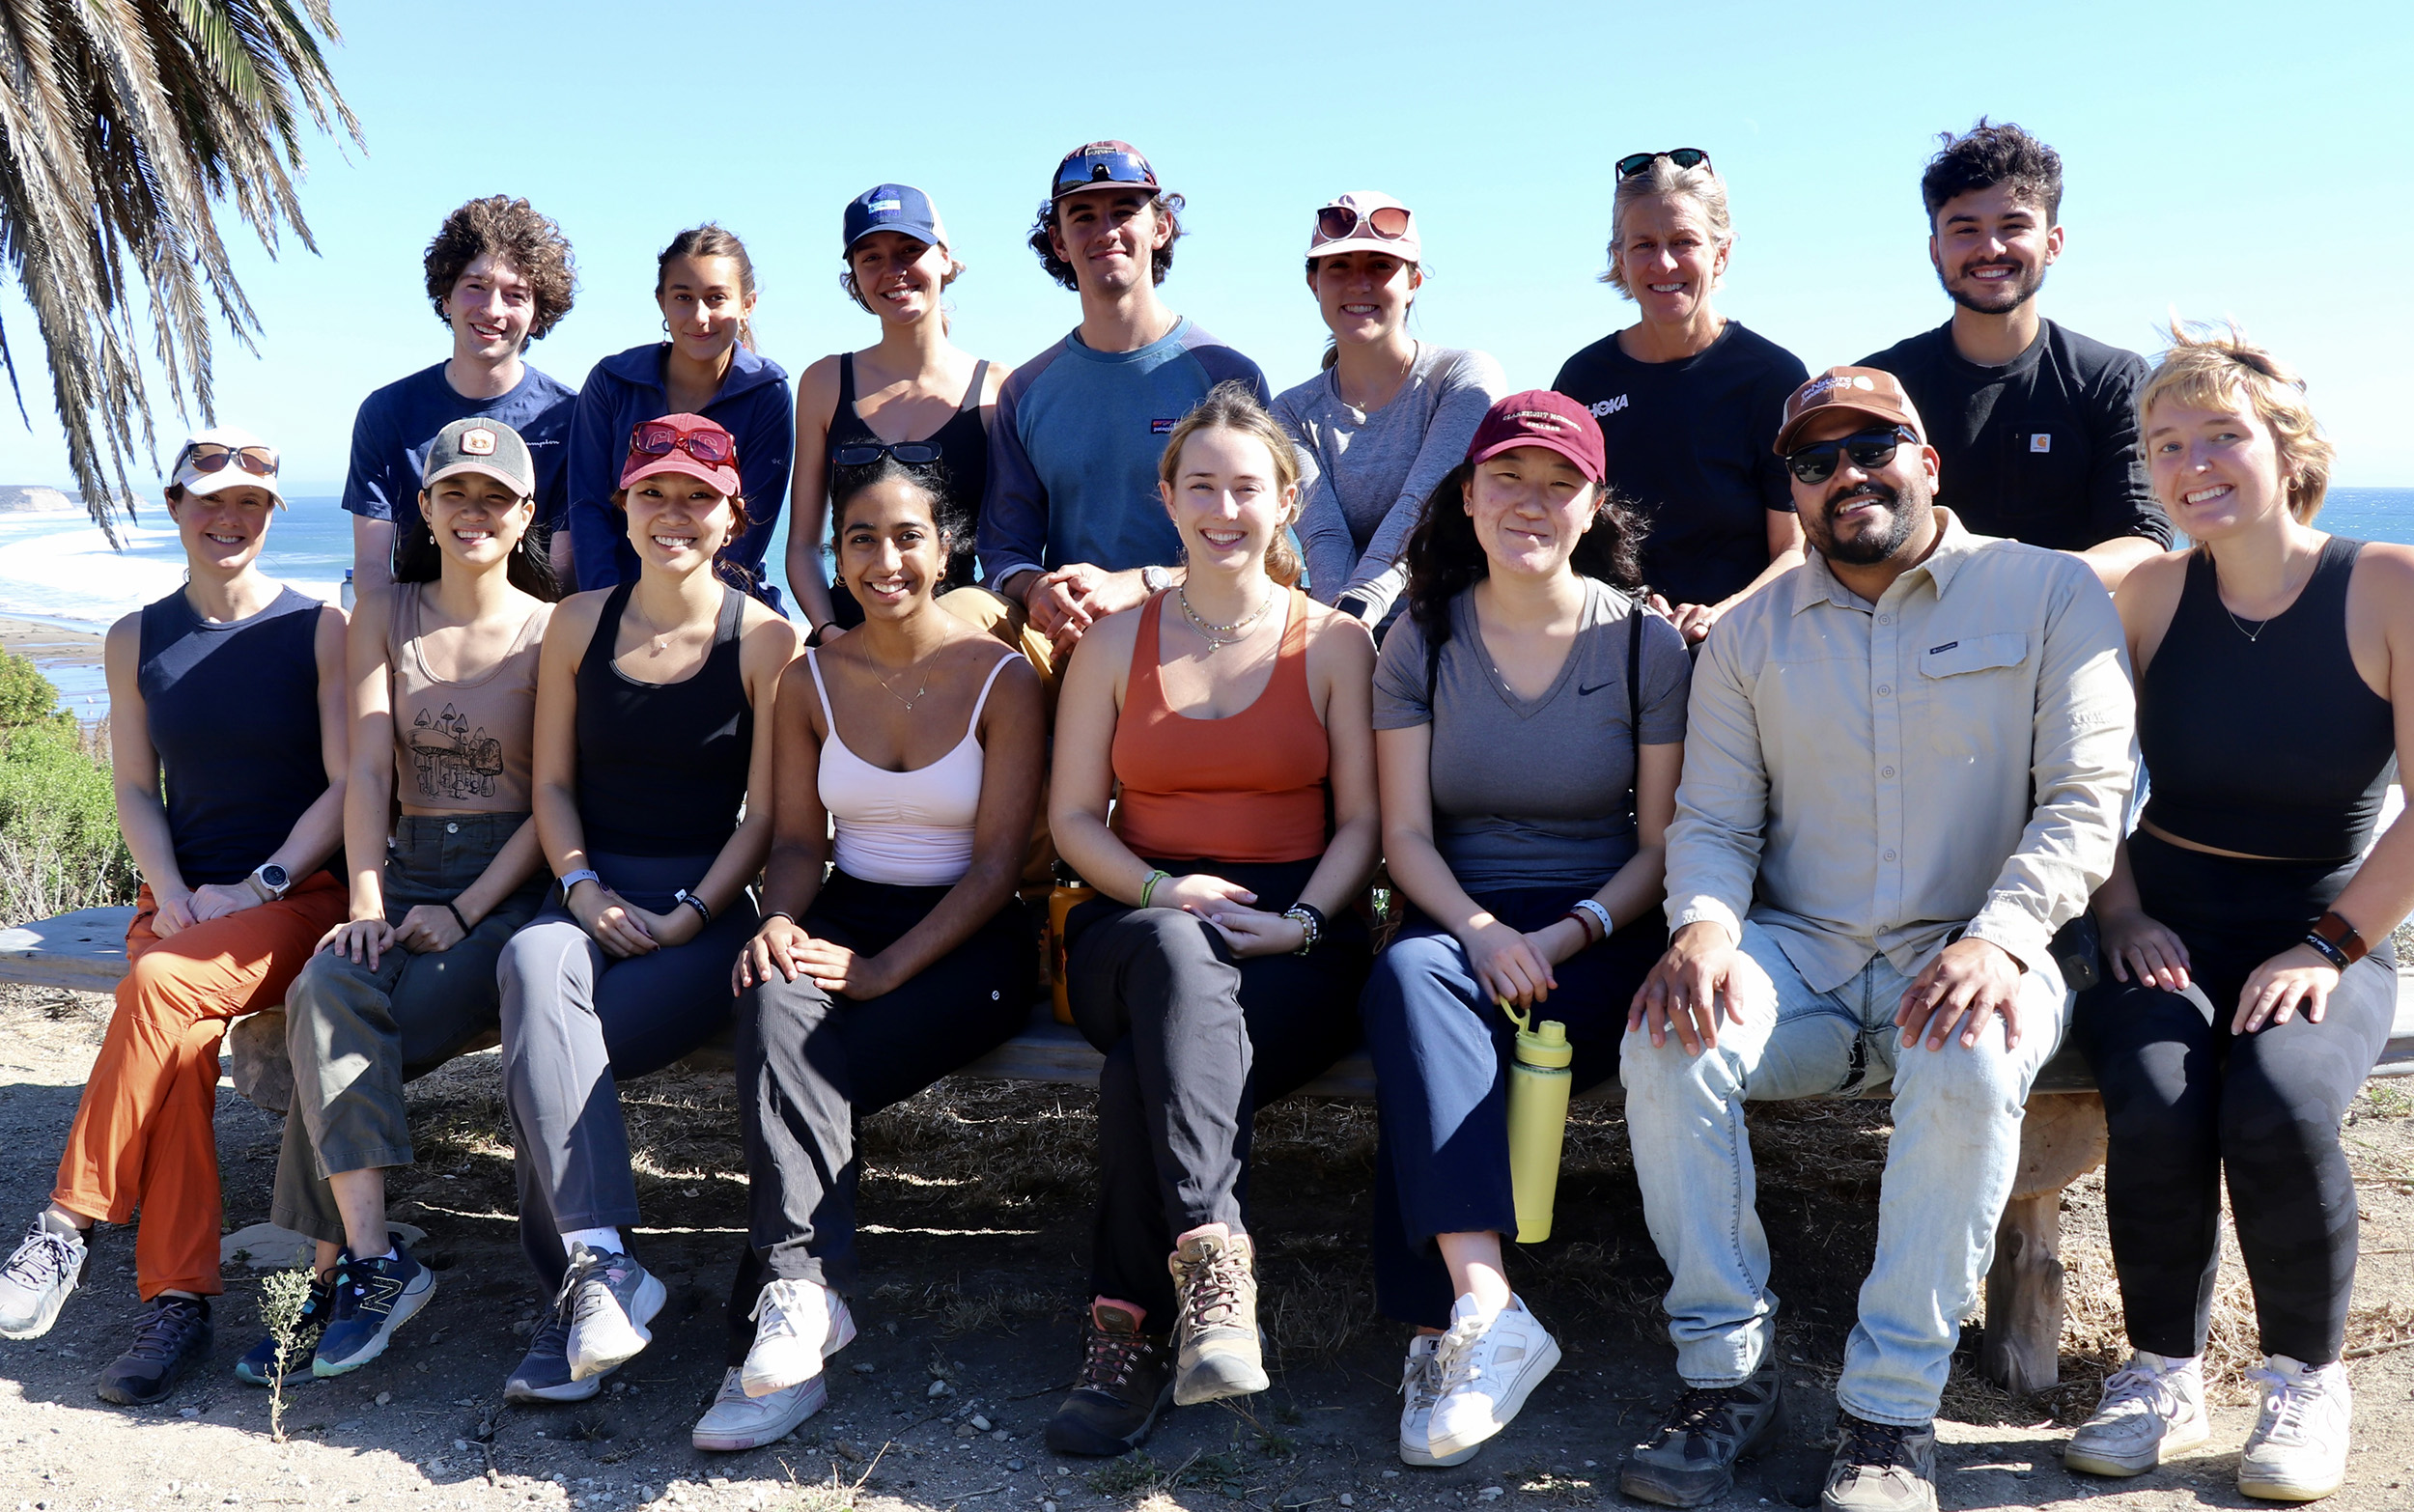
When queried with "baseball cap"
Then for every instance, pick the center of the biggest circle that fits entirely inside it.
(237, 452)
(1097, 165)
(900, 208)
(1868, 391)
(489, 448)
(679, 438)
(1354, 215)
(1539, 417)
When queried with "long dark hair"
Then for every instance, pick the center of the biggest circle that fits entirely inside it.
(948, 513)
(736, 574)
(418, 559)
(1444, 559)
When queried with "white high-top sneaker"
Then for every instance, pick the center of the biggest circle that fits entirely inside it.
(2298, 1450)
(2153, 1407)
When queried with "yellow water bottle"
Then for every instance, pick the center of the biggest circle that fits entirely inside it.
(1540, 1083)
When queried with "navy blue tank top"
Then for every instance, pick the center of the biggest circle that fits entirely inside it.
(662, 766)
(234, 715)
(963, 444)
(2265, 740)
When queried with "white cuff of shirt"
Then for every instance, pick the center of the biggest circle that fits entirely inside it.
(2015, 931)
(1703, 909)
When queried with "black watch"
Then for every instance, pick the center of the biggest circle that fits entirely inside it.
(1354, 607)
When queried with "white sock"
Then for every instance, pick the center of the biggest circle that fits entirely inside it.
(594, 1239)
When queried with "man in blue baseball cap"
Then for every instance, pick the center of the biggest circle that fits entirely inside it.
(1072, 529)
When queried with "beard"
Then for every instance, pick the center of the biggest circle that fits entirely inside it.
(1904, 508)
(1994, 298)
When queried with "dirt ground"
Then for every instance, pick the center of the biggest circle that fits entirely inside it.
(976, 1222)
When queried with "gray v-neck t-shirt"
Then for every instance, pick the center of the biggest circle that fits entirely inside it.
(1540, 793)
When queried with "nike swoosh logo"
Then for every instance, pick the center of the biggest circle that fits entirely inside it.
(1582, 691)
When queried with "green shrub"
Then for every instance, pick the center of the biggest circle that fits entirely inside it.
(60, 849)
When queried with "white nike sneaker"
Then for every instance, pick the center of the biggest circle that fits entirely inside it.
(796, 1326)
(2298, 1450)
(2153, 1407)
(737, 1421)
(1485, 1368)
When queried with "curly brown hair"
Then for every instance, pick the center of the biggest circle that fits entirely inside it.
(1167, 209)
(512, 232)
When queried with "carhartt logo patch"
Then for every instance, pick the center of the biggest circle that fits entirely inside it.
(1608, 408)
(477, 442)
(2040, 442)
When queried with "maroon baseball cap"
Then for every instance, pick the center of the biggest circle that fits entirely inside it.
(1873, 392)
(1540, 417)
(688, 444)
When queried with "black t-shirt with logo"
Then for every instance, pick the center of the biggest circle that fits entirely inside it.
(2043, 449)
(1689, 444)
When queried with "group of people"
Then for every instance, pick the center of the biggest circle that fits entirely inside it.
(1775, 733)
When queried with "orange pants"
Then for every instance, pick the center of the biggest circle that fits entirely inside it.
(145, 1136)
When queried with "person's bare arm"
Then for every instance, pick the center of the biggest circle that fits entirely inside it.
(808, 491)
(134, 775)
(2112, 560)
(767, 644)
(554, 777)
(369, 791)
(372, 557)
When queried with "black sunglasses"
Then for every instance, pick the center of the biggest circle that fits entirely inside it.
(1868, 449)
(1634, 163)
(914, 453)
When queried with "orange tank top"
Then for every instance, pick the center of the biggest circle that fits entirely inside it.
(1247, 788)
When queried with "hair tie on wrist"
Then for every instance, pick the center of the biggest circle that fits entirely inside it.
(456, 914)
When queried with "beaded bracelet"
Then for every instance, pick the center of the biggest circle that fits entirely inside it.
(1583, 925)
(1311, 922)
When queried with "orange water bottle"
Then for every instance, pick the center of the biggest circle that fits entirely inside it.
(1069, 893)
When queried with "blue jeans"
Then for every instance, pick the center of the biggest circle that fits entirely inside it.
(1949, 1170)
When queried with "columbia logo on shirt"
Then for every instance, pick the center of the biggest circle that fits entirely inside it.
(1608, 408)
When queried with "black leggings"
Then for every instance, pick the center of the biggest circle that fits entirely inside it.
(1195, 1042)
(809, 1065)
(2187, 1101)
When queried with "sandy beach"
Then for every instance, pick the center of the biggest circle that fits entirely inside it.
(48, 643)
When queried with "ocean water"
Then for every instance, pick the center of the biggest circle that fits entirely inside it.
(58, 569)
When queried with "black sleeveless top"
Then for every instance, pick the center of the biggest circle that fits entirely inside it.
(234, 715)
(2271, 746)
(963, 444)
(662, 766)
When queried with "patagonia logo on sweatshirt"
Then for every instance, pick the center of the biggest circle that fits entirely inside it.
(1160, 427)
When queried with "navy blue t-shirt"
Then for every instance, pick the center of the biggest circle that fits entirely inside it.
(232, 711)
(398, 423)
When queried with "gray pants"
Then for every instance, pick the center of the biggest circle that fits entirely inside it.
(356, 1035)
(575, 1021)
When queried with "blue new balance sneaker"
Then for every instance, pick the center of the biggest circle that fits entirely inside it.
(257, 1366)
(373, 1298)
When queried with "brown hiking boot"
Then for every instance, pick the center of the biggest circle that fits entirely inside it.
(1219, 1352)
(1125, 1382)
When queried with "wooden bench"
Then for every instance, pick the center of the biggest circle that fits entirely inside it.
(2062, 1139)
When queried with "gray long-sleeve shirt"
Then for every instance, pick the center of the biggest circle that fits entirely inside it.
(1363, 476)
(1868, 777)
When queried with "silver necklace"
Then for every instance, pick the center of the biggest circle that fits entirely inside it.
(904, 671)
(1220, 636)
(2252, 636)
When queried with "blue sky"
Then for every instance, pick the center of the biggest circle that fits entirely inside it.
(2222, 159)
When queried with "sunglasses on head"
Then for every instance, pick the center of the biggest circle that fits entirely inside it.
(213, 457)
(1868, 449)
(1091, 170)
(1634, 163)
(914, 453)
(1340, 222)
(712, 448)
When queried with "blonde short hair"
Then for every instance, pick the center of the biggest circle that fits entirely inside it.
(2208, 368)
(1699, 183)
(1232, 406)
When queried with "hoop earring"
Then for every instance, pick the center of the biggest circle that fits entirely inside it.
(665, 325)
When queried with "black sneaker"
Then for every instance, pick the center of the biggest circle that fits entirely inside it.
(1881, 1467)
(373, 1298)
(542, 1374)
(1691, 1457)
(1126, 1380)
(257, 1366)
(175, 1334)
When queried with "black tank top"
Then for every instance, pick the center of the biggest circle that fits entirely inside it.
(963, 444)
(234, 713)
(662, 766)
(2271, 746)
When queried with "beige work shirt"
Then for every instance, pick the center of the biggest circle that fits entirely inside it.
(1864, 778)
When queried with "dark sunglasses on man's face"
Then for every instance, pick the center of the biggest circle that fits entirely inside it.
(914, 453)
(1683, 157)
(1869, 450)
(211, 457)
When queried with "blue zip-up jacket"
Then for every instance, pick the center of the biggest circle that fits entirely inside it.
(755, 405)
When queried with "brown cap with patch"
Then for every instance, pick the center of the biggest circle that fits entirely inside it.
(1867, 391)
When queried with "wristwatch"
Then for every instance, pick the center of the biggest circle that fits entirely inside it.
(1156, 580)
(2339, 935)
(583, 874)
(1353, 605)
(269, 881)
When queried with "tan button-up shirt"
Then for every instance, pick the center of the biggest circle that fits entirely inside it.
(1868, 777)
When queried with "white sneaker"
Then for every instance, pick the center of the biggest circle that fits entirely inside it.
(737, 1421)
(1420, 1389)
(796, 1326)
(2153, 1407)
(609, 1298)
(1485, 1368)
(35, 1281)
(2298, 1450)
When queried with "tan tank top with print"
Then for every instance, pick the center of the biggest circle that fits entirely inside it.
(463, 747)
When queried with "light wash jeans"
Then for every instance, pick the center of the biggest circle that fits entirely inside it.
(1949, 1170)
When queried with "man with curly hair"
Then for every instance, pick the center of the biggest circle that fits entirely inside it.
(1071, 526)
(2036, 425)
(499, 276)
